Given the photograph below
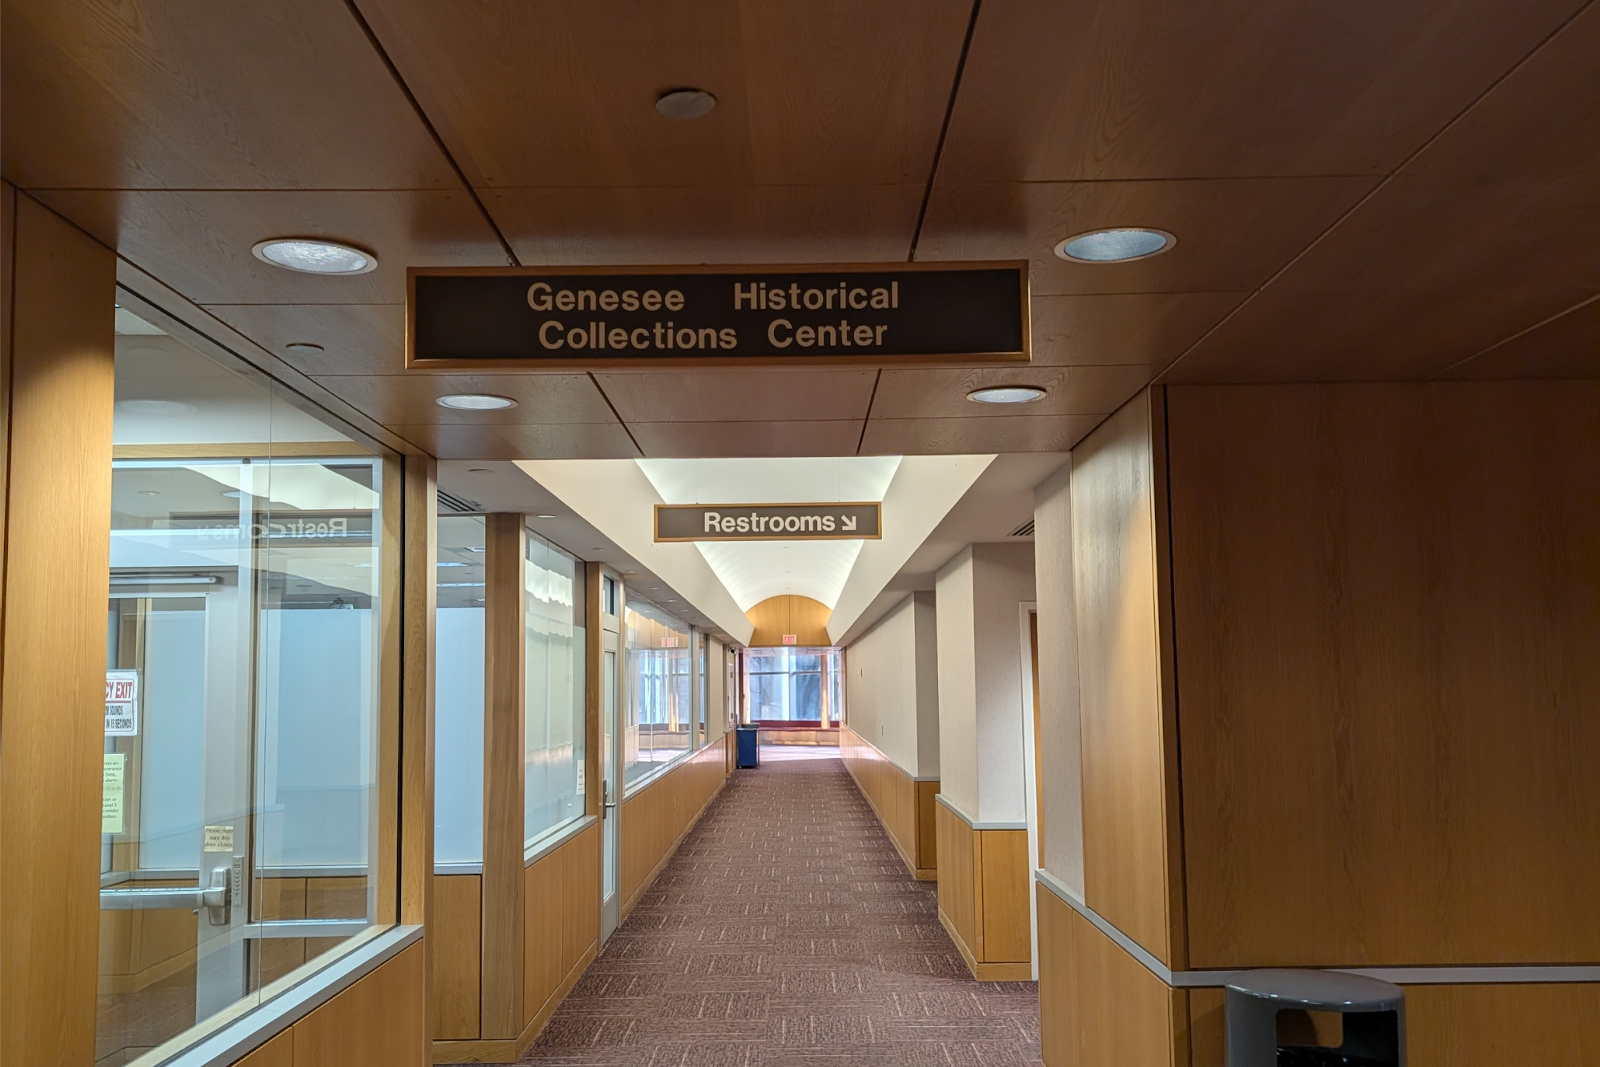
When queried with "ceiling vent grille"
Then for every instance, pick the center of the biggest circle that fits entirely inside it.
(1025, 530)
(459, 505)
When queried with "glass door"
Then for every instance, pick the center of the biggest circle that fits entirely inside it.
(611, 735)
(240, 756)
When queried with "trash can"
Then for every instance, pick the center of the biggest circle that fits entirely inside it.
(1373, 1019)
(749, 746)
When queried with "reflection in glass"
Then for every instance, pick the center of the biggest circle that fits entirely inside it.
(656, 722)
(243, 675)
(553, 694)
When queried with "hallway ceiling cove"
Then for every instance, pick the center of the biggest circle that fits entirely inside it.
(752, 571)
(1363, 191)
(617, 498)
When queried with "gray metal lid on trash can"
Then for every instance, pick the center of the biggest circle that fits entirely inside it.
(1319, 990)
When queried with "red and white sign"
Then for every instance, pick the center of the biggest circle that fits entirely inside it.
(122, 703)
(791, 639)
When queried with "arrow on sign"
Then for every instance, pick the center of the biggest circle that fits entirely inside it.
(849, 521)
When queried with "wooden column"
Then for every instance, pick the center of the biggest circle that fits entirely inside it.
(419, 603)
(58, 394)
(504, 665)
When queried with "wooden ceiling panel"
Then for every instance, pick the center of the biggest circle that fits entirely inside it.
(1004, 433)
(355, 338)
(1427, 273)
(199, 242)
(1285, 336)
(692, 440)
(192, 94)
(410, 398)
(562, 93)
(507, 441)
(1567, 347)
(1544, 118)
(1147, 329)
(942, 392)
(1118, 89)
(1232, 235)
(1472, 237)
(755, 395)
(767, 224)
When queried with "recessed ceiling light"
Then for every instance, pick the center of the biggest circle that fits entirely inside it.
(477, 470)
(155, 407)
(303, 346)
(544, 516)
(149, 492)
(1115, 246)
(475, 402)
(1006, 394)
(685, 103)
(313, 255)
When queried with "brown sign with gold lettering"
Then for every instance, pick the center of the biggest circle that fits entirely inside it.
(543, 318)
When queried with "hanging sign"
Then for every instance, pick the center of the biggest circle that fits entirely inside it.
(564, 317)
(769, 522)
(122, 703)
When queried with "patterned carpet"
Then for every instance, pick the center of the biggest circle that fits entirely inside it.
(787, 932)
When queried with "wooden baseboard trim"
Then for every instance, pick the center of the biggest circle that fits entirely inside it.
(509, 1051)
(925, 874)
(655, 872)
(985, 972)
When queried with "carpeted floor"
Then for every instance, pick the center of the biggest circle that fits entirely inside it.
(787, 932)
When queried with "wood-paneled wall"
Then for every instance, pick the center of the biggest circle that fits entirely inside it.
(1098, 1005)
(57, 365)
(801, 616)
(983, 897)
(903, 805)
(1387, 599)
(561, 908)
(1370, 611)
(561, 935)
(456, 933)
(655, 819)
(379, 1021)
(1131, 859)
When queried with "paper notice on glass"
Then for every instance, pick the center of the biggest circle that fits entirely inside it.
(217, 839)
(112, 790)
(122, 703)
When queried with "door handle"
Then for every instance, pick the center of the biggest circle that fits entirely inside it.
(216, 898)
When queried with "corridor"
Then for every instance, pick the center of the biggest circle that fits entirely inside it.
(787, 931)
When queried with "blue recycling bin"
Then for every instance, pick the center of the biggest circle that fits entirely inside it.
(749, 746)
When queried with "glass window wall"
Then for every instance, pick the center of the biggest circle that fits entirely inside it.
(793, 686)
(657, 720)
(458, 702)
(553, 615)
(244, 672)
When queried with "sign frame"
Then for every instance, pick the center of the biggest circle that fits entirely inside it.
(785, 536)
(1019, 358)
